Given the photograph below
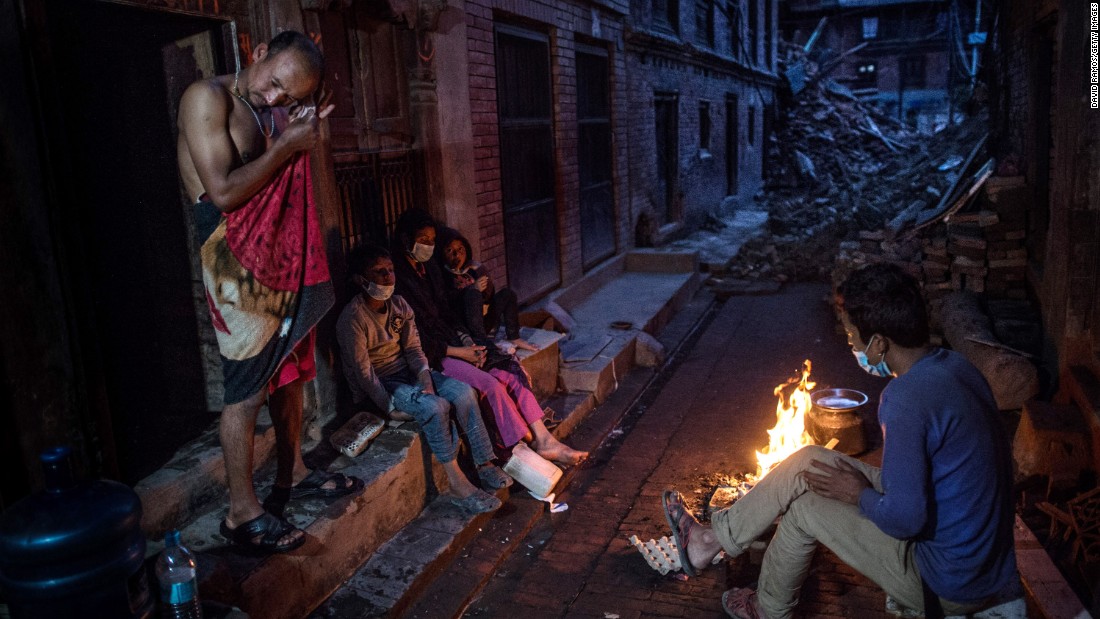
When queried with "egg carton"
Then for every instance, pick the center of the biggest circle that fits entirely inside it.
(661, 554)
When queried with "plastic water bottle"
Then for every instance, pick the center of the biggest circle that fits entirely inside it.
(179, 591)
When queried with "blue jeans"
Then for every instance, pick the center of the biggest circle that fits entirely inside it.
(433, 413)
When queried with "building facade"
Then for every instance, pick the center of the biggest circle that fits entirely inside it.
(702, 98)
(544, 131)
(903, 56)
(1045, 130)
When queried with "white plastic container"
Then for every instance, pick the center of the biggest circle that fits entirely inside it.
(536, 473)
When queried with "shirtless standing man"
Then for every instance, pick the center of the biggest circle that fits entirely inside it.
(229, 149)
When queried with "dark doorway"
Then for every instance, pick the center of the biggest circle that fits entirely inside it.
(666, 110)
(527, 172)
(117, 74)
(594, 156)
(733, 145)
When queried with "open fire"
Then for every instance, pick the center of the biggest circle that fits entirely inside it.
(789, 434)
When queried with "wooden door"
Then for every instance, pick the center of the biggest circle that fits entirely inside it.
(366, 69)
(594, 156)
(667, 136)
(527, 170)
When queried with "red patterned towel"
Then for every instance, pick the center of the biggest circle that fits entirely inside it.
(266, 277)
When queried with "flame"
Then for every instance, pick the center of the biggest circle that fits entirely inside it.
(789, 434)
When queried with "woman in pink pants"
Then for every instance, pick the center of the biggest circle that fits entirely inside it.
(516, 411)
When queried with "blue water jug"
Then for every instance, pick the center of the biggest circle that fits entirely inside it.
(75, 550)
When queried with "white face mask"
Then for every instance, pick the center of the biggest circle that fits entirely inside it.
(379, 293)
(421, 252)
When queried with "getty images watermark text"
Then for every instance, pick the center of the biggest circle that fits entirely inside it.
(1094, 55)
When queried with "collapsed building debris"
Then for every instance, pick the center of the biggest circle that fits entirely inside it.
(848, 186)
(836, 166)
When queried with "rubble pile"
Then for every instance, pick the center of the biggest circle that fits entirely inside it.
(981, 249)
(836, 166)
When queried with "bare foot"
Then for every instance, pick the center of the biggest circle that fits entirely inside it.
(461, 490)
(523, 344)
(559, 453)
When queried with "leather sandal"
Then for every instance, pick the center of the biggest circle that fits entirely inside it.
(479, 502)
(262, 534)
(314, 486)
(741, 604)
(681, 535)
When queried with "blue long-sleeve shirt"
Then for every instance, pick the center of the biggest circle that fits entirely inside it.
(947, 478)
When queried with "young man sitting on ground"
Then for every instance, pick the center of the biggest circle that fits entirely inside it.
(932, 526)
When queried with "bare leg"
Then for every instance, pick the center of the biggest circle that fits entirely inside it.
(698, 542)
(235, 430)
(702, 546)
(285, 405)
(551, 448)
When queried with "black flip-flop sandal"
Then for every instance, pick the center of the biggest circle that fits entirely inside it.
(261, 535)
(313, 486)
(678, 536)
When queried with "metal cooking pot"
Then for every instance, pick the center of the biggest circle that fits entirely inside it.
(835, 414)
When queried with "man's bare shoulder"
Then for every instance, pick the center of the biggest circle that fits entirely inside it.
(206, 98)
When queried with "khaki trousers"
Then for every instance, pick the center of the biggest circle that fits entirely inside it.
(807, 520)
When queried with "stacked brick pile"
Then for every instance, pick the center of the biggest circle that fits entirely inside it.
(981, 249)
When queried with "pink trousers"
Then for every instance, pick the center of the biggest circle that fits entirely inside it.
(514, 406)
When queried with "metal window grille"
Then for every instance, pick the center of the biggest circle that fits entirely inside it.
(374, 191)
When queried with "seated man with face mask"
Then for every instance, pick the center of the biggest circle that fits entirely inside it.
(383, 361)
(932, 526)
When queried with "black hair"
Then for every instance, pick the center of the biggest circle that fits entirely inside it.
(362, 257)
(292, 39)
(406, 227)
(444, 237)
(884, 299)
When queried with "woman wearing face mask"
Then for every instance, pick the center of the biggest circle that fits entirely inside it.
(517, 413)
(383, 361)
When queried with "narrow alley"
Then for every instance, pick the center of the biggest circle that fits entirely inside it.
(703, 420)
(643, 209)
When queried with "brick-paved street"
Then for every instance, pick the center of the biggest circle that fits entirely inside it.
(708, 415)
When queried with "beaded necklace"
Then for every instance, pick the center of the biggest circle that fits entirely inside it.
(237, 93)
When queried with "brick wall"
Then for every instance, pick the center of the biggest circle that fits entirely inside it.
(1065, 279)
(635, 73)
(658, 62)
(563, 22)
